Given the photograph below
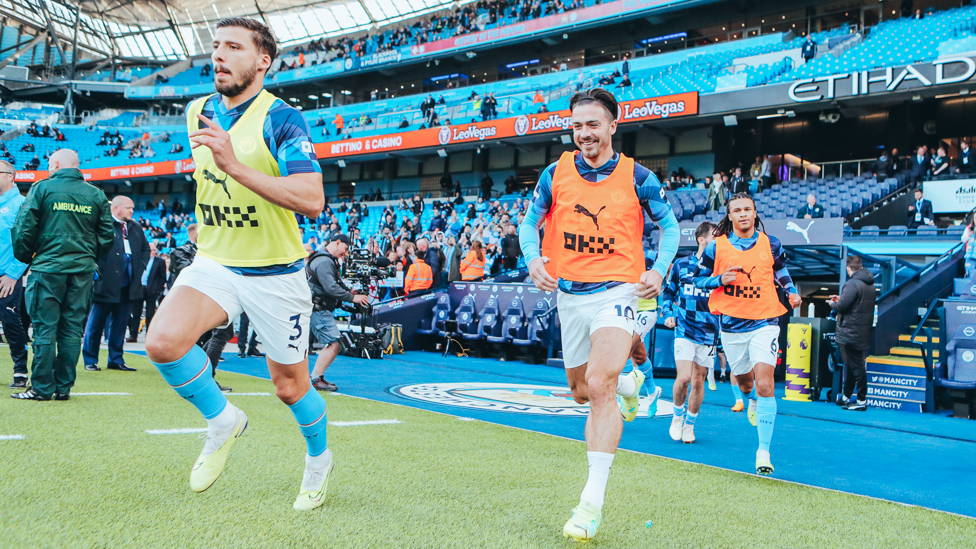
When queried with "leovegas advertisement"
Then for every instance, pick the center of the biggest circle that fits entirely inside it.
(640, 110)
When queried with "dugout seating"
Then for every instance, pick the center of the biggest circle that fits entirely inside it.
(515, 324)
(490, 325)
(959, 370)
(537, 327)
(441, 314)
(467, 319)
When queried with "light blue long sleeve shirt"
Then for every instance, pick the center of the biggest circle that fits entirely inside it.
(10, 202)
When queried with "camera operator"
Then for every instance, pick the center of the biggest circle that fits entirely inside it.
(328, 292)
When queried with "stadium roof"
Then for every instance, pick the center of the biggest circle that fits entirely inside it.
(173, 29)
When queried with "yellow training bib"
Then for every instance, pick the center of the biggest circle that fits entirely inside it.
(236, 227)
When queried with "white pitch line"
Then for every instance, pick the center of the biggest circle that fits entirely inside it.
(175, 431)
(11, 437)
(466, 419)
(249, 394)
(99, 394)
(369, 422)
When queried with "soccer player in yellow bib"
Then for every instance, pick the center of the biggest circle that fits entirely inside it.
(255, 167)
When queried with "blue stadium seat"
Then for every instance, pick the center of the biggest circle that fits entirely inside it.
(870, 230)
(441, 314)
(959, 371)
(491, 321)
(927, 231)
(514, 323)
(538, 326)
(898, 230)
(467, 318)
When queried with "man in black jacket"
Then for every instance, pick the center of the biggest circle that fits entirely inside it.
(918, 165)
(920, 211)
(153, 281)
(855, 317)
(181, 257)
(487, 183)
(118, 284)
(429, 254)
(966, 163)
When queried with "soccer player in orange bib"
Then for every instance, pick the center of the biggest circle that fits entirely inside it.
(751, 264)
(593, 202)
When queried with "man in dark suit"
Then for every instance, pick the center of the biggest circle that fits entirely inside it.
(153, 282)
(966, 163)
(920, 211)
(118, 284)
(918, 165)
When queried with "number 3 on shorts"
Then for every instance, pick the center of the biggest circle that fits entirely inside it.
(298, 326)
(626, 312)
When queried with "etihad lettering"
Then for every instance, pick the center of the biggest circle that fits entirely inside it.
(884, 80)
(651, 109)
(69, 207)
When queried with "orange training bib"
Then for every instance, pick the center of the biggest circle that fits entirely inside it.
(753, 294)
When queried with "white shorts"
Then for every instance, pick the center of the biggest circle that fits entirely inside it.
(645, 322)
(581, 315)
(278, 306)
(744, 350)
(702, 355)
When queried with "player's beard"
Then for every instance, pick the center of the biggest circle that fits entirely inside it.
(236, 88)
(592, 153)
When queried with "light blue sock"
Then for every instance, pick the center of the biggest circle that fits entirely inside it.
(679, 411)
(766, 415)
(648, 376)
(752, 395)
(192, 378)
(309, 412)
(736, 391)
(690, 419)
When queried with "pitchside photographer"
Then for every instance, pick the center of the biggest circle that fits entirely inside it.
(328, 292)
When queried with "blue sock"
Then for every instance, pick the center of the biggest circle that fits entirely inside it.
(648, 376)
(690, 419)
(766, 415)
(753, 395)
(309, 412)
(736, 392)
(192, 378)
(679, 411)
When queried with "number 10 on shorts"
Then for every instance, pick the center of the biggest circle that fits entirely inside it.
(625, 312)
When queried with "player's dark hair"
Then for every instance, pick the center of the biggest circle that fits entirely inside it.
(854, 262)
(725, 225)
(703, 229)
(260, 33)
(595, 95)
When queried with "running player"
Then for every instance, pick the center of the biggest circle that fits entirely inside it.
(750, 265)
(255, 167)
(646, 320)
(593, 204)
(695, 336)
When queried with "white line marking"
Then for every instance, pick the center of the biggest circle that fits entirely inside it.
(99, 394)
(174, 431)
(369, 422)
(11, 437)
(248, 394)
(466, 419)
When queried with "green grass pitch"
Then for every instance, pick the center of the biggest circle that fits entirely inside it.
(88, 475)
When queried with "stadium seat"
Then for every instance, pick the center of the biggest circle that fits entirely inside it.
(490, 324)
(960, 369)
(538, 325)
(467, 319)
(870, 230)
(927, 231)
(514, 323)
(898, 230)
(441, 314)
(964, 288)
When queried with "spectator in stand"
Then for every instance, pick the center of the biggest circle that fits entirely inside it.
(739, 183)
(487, 184)
(538, 98)
(433, 257)
(897, 162)
(755, 171)
(27, 148)
(809, 49)
(205, 70)
(404, 123)
(940, 163)
(920, 211)
(882, 166)
(966, 161)
(855, 317)
(716, 192)
(112, 152)
(33, 163)
(811, 210)
(418, 205)
(511, 248)
(918, 166)
(339, 123)
(419, 276)
(176, 148)
(766, 173)
(625, 68)
(625, 83)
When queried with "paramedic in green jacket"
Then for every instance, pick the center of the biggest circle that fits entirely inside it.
(63, 227)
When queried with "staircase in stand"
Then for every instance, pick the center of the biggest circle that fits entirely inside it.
(897, 381)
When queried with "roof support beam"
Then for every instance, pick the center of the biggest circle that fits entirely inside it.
(50, 29)
(40, 36)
